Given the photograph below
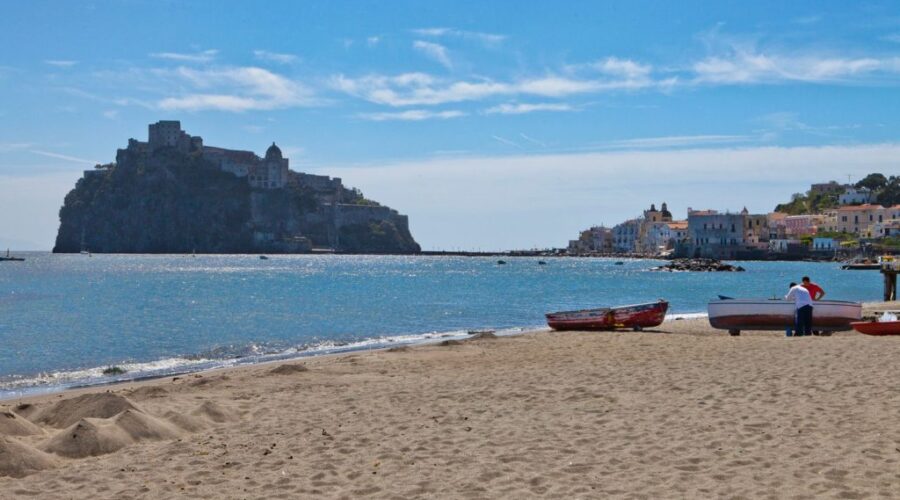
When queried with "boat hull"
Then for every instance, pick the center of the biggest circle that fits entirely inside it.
(636, 316)
(776, 314)
(877, 327)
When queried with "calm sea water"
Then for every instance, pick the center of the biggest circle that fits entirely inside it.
(63, 318)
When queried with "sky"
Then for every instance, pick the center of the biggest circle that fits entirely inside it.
(492, 125)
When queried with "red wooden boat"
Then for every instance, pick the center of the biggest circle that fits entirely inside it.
(637, 317)
(877, 327)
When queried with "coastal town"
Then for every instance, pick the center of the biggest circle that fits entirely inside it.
(831, 221)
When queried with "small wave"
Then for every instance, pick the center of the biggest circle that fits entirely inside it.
(695, 315)
(23, 385)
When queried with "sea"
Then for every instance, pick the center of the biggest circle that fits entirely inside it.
(64, 319)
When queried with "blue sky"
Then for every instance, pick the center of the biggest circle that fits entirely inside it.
(493, 125)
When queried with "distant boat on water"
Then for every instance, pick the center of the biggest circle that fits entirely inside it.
(11, 258)
(263, 257)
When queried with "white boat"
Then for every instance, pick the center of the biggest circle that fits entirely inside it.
(735, 315)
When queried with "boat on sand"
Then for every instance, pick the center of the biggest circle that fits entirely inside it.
(636, 317)
(735, 315)
(887, 324)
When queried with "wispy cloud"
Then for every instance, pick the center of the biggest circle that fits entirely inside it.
(485, 38)
(265, 55)
(522, 108)
(373, 41)
(237, 89)
(533, 140)
(6, 147)
(196, 57)
(434, 51)
(893, 37)
(736, 60)
(111, 114)
(503, 140)
(58, 156)
(675, 141)
(59, 63)
(412, 115)
(417, 89)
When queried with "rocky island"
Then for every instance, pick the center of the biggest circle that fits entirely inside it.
(173, 194)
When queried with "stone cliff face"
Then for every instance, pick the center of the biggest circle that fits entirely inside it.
(169, 201)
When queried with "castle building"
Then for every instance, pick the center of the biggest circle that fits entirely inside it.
(270, 172)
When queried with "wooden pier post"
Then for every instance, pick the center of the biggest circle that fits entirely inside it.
(890, 269)
(890, 285)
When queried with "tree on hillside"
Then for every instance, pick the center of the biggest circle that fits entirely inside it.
(890, 194)
(873, 182)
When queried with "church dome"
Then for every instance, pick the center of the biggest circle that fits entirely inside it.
(273, 153)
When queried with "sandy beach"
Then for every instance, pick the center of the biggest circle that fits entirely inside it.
(679, 411)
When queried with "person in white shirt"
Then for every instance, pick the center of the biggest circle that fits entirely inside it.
(803, 304)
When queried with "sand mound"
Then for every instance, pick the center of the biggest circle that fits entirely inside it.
(140, 426)
(25, 410)
(147, 392)
(17, 459)
(215, 412)
(185, 422)
(14, 425)
(288, 369)
(69, 411)
(88, 438)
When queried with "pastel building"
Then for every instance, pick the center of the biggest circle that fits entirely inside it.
(855, 196)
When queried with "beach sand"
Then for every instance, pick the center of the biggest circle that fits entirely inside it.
(679, 411)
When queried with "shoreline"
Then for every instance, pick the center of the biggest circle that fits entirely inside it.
(64, 381)
(678, 410)
(92, 377)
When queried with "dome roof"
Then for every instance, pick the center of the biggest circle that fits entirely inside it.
(273, 153)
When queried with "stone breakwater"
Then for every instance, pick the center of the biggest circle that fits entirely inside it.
(699, 265)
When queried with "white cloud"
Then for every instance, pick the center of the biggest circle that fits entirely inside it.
(265, 55)
(624, 68)
(893, 37)
(675, 141)
(485, 38)
(237, 89)
(373, 41)
(61, 63)
(518, 201)
(197, 57)
(58, 156)
(412, 115)
(112, 114)
(417, 89)
(434, 51)
(522, 108)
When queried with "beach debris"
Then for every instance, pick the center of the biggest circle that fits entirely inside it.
(698, 265)
(450, 342)
(114, 370)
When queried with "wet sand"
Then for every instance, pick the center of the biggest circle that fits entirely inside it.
(678, 411)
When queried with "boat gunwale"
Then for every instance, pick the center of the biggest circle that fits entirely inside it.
(607, 309)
